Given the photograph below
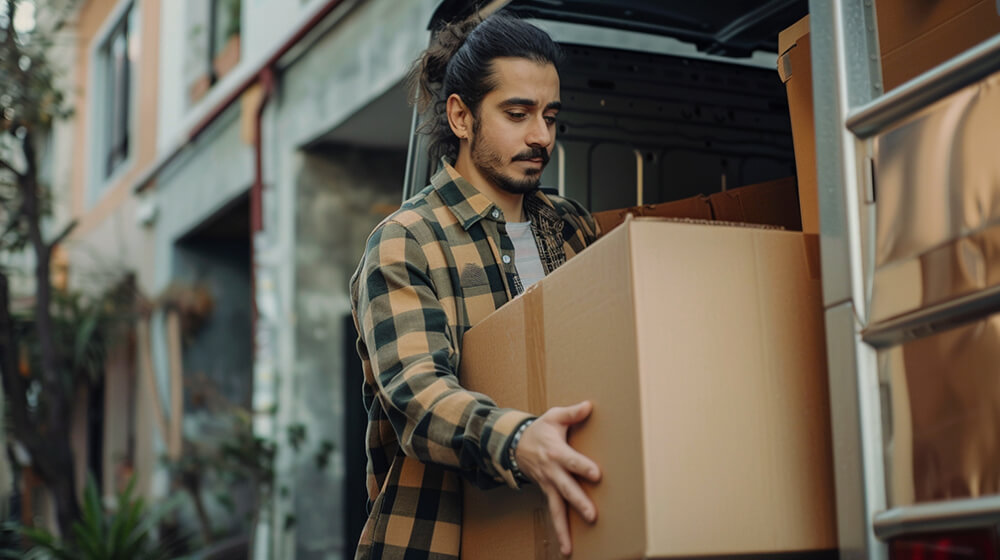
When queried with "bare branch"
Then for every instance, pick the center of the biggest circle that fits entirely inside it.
(62, 234)
(13, 221)
(8, 167)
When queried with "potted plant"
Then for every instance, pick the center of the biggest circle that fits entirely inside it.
(228, 54)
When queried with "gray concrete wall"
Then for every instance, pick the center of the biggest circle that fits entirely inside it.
(365, 55)
(211, 173)
(218, 361)
(221, 351)
(340, 196)
(318, 215)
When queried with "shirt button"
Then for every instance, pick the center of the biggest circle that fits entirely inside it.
(506, 259)
(495, 214)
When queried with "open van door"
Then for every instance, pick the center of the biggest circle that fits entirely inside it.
(906, 184)
(659, 82)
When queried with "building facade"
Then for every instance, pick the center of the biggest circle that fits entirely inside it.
(243, 149)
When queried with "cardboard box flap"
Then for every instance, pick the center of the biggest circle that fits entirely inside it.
(788, 37)
(693, 207)
(771, 202)
(787, 40)
(795, 66)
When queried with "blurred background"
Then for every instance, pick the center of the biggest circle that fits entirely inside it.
(185, 190)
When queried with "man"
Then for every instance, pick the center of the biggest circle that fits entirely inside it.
(454, 253)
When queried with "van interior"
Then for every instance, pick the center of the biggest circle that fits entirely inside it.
(703, 113)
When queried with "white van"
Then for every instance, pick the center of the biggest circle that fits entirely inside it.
(665, 99)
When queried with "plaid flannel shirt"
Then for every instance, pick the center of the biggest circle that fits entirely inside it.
(431, 271)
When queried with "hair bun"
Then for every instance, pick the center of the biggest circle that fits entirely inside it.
(429, 70)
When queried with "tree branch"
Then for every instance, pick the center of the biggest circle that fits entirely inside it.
(8, 167)
(13, 383)
(62, 235)
(13, 221)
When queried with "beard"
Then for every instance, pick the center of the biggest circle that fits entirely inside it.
(490, 163)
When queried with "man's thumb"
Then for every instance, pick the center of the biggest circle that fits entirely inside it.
(576, 413)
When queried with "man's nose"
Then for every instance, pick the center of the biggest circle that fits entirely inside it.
(539, 134)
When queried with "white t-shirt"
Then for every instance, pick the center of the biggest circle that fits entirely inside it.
(526, 258)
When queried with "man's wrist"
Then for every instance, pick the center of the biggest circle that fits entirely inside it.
(515, 440)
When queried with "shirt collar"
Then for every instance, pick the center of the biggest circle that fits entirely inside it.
(464, 200)
(469, 205)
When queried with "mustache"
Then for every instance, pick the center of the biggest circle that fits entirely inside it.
(534, 153)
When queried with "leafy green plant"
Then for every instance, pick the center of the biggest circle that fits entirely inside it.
(33, 100)
(126, 532)
(10, 540)
(240, 459)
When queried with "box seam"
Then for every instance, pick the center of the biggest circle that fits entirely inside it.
(768, 367)
(646, 530)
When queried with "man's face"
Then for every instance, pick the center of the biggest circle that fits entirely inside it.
(514, 129)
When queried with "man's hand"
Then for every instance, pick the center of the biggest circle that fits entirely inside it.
(544, 456)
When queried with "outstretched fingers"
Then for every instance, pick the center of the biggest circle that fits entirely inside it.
(579, 464)
(557, 510)
(570, 490)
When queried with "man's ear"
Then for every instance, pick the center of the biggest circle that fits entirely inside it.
(459, 116)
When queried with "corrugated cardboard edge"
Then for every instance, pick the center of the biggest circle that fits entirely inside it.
(698, 222)
(630, 225)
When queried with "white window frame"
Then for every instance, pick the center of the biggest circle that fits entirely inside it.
(97, 183)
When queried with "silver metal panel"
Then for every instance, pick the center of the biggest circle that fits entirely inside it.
(855, 411)
(417, 161)
(943, 414)
(842, 48)
(941, 516)
(934, 319)
(965, 69)
(597, 36)
(938, 215)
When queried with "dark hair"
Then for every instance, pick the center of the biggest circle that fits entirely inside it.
(460, 61)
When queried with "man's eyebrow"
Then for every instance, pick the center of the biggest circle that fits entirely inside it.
(525, 102)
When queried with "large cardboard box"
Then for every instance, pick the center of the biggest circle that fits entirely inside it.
(917, 35)
(702, 349)
(795, 69)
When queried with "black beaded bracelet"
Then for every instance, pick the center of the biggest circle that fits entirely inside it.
(511, 455)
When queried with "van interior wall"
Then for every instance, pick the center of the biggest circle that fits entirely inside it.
(666, 126)
(342, 192)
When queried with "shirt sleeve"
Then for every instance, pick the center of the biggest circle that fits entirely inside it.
(414, 362)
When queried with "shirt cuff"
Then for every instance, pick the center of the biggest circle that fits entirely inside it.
(503, 428)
